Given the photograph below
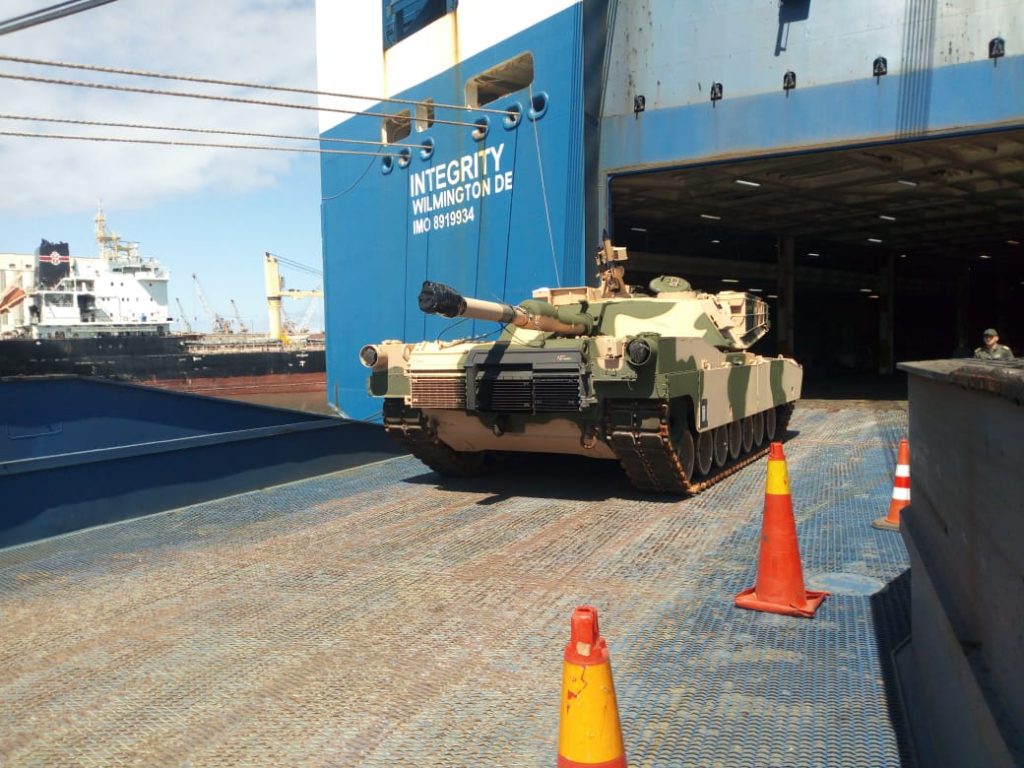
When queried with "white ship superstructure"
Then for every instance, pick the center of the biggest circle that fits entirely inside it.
(117, 293)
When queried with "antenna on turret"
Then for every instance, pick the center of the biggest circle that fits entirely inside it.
(610, 270)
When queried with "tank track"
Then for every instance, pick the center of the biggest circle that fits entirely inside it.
(410, 428)
(648, 457)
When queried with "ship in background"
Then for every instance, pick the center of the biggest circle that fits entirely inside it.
(108, 316)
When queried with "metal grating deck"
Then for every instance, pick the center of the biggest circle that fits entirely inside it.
(371, 617)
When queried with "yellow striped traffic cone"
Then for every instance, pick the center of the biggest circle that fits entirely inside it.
(589, 734)
(900, 490)
(780, 577)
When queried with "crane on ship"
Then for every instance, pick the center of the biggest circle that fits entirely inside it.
(307, 316)
(276, 291)
(183, 316)
(220, 323)
(242, 327)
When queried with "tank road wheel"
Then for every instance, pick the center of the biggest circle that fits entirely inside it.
(747, 425)
(735, 439)
(769, 424)
(721, 438)
(705, 452)
(682, 439)
(757, 420)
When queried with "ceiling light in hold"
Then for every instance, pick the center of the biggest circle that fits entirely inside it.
(813, 255)
(903, 255)
(1013, 242)
(873, 296)
(746, 183)
(883, 217)
(729, 280)
(710, 216)
(716, 242)
(866, 290)
(772, 295)
(755, 290)
(984, 256)
(874, 240)
(906, 182)
(638, 229)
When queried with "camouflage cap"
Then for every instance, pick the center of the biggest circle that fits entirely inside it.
(990, 332)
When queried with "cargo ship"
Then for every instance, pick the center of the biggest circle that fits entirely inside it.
(108, 316)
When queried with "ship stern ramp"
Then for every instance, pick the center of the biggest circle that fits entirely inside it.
(382, 616)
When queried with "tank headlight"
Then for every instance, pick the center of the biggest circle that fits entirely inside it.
(369, 356)
(639, 351)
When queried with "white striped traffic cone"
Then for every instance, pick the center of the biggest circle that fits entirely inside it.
(900, 491)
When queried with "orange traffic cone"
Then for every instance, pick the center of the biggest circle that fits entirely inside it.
(780, 579)
(589, 735)
(900, 491)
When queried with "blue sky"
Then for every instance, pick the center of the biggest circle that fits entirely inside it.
(208, 211)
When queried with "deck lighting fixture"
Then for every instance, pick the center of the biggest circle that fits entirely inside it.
(874, 240)
(885, 217)
(789, 80)
(638, 229)
(866, 290)
(746, 183)
(715, 242)
(903, 255)
(906, 182)
(873, 296)
(771, 295)
(710, 216)
(984, 256)
(996, 48)
(880, 67)
(813, 255)
(755, 290)
(729, 280)
(1013, 242)
(716, 91)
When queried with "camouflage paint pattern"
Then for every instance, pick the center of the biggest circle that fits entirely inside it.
(699, 364)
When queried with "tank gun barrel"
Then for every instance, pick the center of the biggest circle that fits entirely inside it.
(441, 299)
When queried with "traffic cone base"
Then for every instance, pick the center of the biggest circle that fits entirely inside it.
(900, 491)
(589, 733)
(884, 524)
(780, 580)
(748, 599)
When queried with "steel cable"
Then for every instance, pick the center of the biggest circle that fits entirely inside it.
(210, 97)
(240, 84)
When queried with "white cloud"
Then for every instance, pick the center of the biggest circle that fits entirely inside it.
(260, 41)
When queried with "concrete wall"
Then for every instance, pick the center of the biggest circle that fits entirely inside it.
(965, 534)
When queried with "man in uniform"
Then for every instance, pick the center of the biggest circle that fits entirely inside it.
(993, 350)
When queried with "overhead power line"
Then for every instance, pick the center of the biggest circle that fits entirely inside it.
(169, 143)
(215, 131)
(240, 84)
(210, 97)
(50, 13)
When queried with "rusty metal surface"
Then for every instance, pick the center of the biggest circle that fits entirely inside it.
(373, 617)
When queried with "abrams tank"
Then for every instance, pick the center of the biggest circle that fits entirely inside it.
(658, 379)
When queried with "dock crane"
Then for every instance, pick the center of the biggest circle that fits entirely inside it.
(220, 324)
(276, 291)
(183, 316)
(308, 314)
(242, 327)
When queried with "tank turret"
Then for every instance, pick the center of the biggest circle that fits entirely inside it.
(659, 378)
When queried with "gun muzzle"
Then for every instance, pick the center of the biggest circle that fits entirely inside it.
(441, 299)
